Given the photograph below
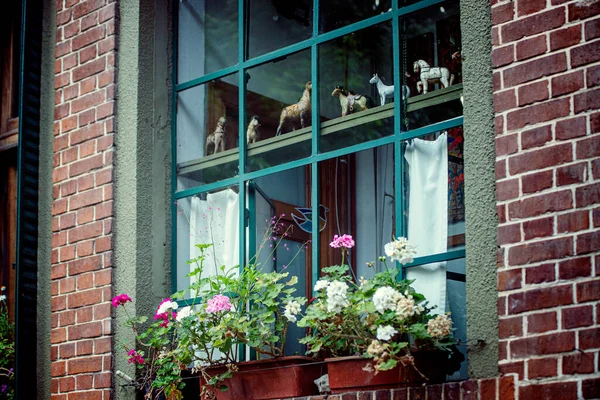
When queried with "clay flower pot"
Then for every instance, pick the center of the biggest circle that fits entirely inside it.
(346, 374)
(277, 378)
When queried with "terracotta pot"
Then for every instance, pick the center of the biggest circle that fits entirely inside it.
(276, 378)
(346, 374)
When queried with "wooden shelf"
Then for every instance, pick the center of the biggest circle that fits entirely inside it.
(328, 127)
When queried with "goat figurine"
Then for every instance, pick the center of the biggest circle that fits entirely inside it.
(428, 75)
(217, 138)
(297, 114)
(252, 131)
(349, 102)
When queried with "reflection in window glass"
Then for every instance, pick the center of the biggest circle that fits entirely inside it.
(434, 192)
(431, 64)
(208, 37)
(278, 111)
(283, 199)
(357, 198)
(334, 14)
(273, 24)
(207, 132)
(208, 218)
(350, 105)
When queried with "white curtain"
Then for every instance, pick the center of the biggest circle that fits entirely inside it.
(216, 220)
(428, 215)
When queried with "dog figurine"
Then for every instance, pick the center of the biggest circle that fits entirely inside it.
(252, 132)
(217, 138)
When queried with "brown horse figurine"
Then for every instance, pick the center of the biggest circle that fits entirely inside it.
(297, 114)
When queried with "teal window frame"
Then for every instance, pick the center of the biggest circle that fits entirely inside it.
(316, 156)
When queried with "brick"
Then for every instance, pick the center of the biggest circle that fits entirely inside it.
(88, 53)
(517, 367)
(537, 113)
(571, 174)
(89, 69)
(88, 37)
(497, 81)
(588, 291)
(587, 100)
(85, 281)
(588, 147)
(571, 128)
(536, 182)
(568, 83)
(85, 182)
(585, 54)
(592, 76)
(540, 274)
(526, 7)
(540, 251)
(500, 168)
(541, 368)
(538, 228)
(533, 93)
(536, 137)
(507, 144)
(89, 21)
(85, 215)
(503, 56)
(503, 13)
(506, 389)
(451, 391)
(508, 327)
(592, 29)
(587, 195)
(532, 25)
(85, 199)
(581, 363)
(87, 101)
(84, 298)
(576, 317)
(508, 280)
(86, 264)
(83, 382)
(87, 7)
(541, 204)
(567, 390)
(588, 242)
(541, 158)
(542, 322)
(509, 234)
(85, 347)
(83, 365)
(589, 338)
(531, 47)
(538, 299)
(583, 10)
(501, 304)
(86, 330)
(554, 343)
(590, 388)
(535, 69)
(58, 368)
(573, 222)
(565, 37)
(505, 100)
(506, 190)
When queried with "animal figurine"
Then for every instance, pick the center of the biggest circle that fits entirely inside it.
(350, 101)
(252, 131)
(217, 138)
(384, 90)
(431, 75)
(297, 114)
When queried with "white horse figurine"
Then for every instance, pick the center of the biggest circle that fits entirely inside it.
(388, 91)
(431, 75)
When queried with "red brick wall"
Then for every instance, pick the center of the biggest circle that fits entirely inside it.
(82, 223)
(546, 60)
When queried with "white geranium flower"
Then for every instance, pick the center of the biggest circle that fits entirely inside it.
(406, 307)
(183, 313)
(336, 296)
(439, 327)
(400, 250)
(321, 284)
(385, 298)
(164, 307)
(291, 309)
(385, 332)
(2, 297)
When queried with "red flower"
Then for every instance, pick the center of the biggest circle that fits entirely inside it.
(120, 300)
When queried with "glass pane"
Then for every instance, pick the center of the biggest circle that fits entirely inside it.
(280, 231)
(278, 111)
(334, 14)
(434, 192)
(275, 24)
(208, 218)
(207, 37)
(357, 198)
(351, 109)
(207, 132)
(430, 51)
(444, 286)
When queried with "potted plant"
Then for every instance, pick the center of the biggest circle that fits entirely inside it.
(231, 309)
(378, 332)
(7, 350)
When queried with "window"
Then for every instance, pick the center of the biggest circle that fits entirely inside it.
(351, 118)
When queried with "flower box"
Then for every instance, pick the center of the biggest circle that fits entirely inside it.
(348, 374)
(276, 378)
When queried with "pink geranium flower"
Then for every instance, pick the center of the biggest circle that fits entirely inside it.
(135, 357)
(345, 241)
(120, 300)
(218, 303)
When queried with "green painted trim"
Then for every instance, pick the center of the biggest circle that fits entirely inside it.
(175, 11)
(433, 258)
